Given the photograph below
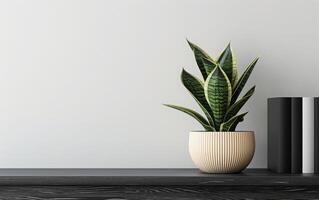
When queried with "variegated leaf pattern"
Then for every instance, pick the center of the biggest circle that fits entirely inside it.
(228, 63)
(242, 81)
(196, 88)
(234, 108)
(209, 64)
(218, 94)
(199, 55)
(231, 124)
(194, 114)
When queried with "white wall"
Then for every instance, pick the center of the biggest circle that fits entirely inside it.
(82, 82)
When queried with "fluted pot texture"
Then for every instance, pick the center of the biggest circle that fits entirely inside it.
(222, 152)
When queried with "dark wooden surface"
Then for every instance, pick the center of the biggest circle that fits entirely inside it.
(157, 192)
(162, 177)
(153, 184)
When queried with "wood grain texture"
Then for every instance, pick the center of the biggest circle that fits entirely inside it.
(156, 192)
(153, 184)
(161, 177)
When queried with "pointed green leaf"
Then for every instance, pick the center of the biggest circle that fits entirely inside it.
(227, 62)
(242, 81)
(209, 64)
(234, 109)
(194, 114)
(234, 125)
(231, 124)
(199, 55)
(218, 94)
(196, 88)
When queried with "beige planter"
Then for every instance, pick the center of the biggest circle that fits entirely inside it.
(221, 152)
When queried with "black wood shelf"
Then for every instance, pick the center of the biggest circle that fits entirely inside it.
(157, 192)
(151, 177)
(153, 184)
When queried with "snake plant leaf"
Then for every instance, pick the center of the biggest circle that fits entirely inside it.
(218, 93)
(228, 63)
(231, 124)
(234, 108)
(242, 81)
(196, 88)
(194, 114)
(234, 125)
(199, 55)
(209, 64)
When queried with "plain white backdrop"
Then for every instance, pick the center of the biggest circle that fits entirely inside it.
(82, 82)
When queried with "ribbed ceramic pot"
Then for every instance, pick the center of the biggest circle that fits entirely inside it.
(222, 152)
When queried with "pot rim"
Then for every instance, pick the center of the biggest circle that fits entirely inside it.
(230, 132)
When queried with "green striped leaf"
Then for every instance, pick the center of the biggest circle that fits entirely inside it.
(199, 55)
(232, 123)
(218, 94)
(209, 64)
(242, 81)
(196, 88)
(194, 114)
(227, 62)
(234, 109)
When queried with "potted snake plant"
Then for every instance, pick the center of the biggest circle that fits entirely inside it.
(219, 148)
